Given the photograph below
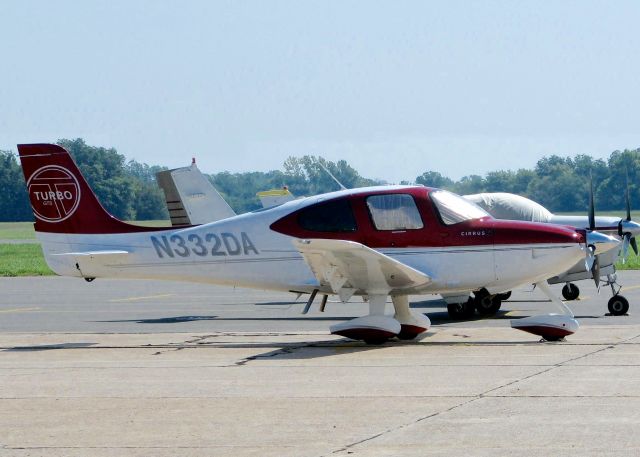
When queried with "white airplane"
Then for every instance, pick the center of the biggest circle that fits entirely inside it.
(377, 242)
(502, 205)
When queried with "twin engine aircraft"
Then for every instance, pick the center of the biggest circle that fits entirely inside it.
(378, 242)
(502, 205)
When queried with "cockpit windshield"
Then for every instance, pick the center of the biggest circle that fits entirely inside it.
(454, 209)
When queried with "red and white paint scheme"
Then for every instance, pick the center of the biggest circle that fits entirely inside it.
(377, 242)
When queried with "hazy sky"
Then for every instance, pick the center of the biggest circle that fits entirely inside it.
(395, 88)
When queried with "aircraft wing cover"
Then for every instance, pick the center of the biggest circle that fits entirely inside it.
(502, 205)
(347, 265)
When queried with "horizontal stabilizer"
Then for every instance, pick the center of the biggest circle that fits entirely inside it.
(92, 263)
(347, 265)
(96, 254)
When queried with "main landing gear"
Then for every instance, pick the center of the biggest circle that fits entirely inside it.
(618, 305)
(377, 328)
(483, 302)
(461, 311)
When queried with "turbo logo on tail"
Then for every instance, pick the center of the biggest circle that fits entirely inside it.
(54, 193)
(61, 199)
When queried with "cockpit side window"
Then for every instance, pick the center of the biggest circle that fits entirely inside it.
(454, 209)
(394, 212)
(331, 216)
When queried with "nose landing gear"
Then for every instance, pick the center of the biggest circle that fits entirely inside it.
(570, 291)
(618, 305)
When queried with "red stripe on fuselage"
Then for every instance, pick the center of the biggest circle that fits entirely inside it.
(476, 232)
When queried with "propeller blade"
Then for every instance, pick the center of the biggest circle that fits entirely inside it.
(595, 272)
(592, 209)
(625, 247)
(627, 199)
(590, 258)
(634, 245)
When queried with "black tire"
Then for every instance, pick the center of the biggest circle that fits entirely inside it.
(485, 304)
(459, 311)
(570, 291)
(618, 305)
(375, 341)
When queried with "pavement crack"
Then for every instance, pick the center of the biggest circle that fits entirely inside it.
(287, 350)
(479, 396)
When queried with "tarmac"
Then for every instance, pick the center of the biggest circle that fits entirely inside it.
(143, 368)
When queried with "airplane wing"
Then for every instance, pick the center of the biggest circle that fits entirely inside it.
(346, 267)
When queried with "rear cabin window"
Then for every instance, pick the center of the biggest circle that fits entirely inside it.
(331, 216)
(394, 212)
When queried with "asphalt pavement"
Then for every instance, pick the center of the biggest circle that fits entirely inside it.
(141, 368)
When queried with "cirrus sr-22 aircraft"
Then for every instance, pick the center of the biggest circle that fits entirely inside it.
(378, 242)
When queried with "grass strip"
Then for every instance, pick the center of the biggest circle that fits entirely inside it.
(23, 260)
(632, 263)
(17, 231)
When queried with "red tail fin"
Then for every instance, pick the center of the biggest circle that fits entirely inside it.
(61, 199)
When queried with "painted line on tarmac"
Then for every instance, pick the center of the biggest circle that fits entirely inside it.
(147, 297)
(18, 310)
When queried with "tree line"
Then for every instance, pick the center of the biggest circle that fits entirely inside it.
(128, 190)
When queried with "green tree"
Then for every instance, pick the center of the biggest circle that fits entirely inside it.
(14, 206)
(471, 184)
(611, 192)
(104, 170)
(557, 186)
(434, 179)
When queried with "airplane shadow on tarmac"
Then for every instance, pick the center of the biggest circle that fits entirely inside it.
(49, 347)
(182, 319)
(332, 348)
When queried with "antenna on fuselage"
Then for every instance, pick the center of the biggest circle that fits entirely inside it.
(342, 187)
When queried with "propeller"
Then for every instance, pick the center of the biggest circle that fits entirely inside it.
(623, 228)
(592, 263)
(595, 272)
(592, 207)
(590, 257)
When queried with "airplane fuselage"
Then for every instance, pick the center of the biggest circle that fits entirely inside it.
(256, 249)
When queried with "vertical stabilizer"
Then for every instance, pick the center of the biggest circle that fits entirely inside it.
(61, 199)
